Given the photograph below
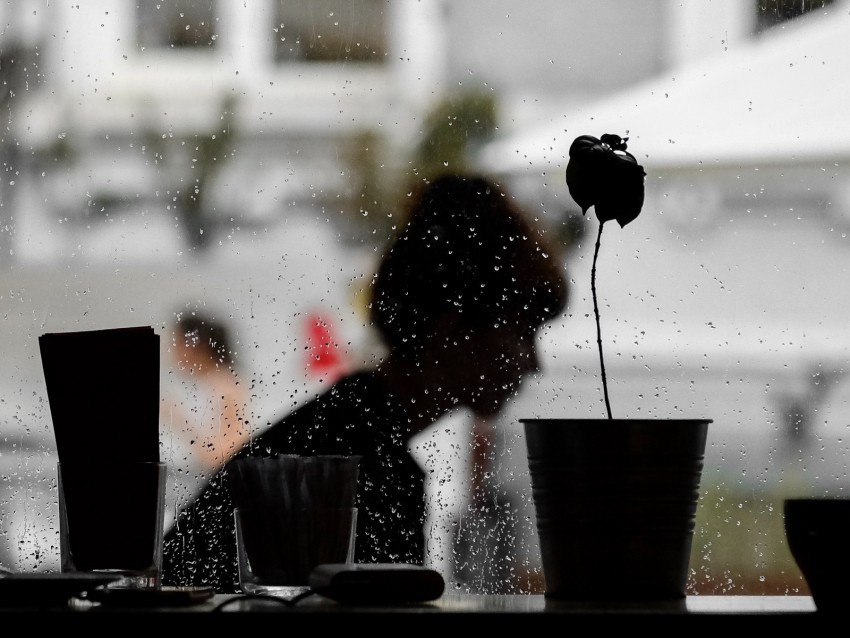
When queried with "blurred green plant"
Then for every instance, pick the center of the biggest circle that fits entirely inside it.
(456, 127)
(382, 175)
(739, 545)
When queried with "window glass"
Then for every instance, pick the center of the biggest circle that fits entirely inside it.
(233, 167)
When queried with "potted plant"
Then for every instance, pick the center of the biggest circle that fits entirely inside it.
(615, 499)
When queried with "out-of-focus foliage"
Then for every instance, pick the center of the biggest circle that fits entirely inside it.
(456, 126)
(453, 130)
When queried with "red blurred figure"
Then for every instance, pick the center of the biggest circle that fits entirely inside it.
(324, 358)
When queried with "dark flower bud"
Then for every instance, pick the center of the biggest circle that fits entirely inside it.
(601, 173)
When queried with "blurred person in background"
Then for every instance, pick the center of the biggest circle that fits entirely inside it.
(205, 421)
(458, 300)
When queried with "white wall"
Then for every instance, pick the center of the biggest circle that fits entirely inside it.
(702, 28)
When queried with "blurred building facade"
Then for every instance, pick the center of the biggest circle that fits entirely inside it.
(205, 116)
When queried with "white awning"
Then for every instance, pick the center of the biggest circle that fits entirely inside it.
(783, 97)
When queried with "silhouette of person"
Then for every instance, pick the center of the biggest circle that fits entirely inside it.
(207, 424)
(458, 299)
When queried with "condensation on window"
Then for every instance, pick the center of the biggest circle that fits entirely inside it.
(243, 166)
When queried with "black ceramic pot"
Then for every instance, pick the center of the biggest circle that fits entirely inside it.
(615, 503)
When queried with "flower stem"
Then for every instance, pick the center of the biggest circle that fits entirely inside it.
(596, 313)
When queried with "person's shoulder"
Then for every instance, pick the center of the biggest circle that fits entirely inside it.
(363, 382)
(352, 387)
(342, 400)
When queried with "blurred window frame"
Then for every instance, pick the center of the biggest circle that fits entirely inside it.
(330, 31)
(177, 24)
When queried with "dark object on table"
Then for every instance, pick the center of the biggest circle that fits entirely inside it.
(111, 516)
(292, 513)
(44, 591)
(164, 596)
(615, 502)
(818, 534)
(103, 390)
(377, 583)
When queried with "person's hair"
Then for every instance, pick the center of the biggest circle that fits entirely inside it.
(209, 334)
(467, 249)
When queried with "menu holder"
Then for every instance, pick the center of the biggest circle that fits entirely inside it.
(103, 391)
